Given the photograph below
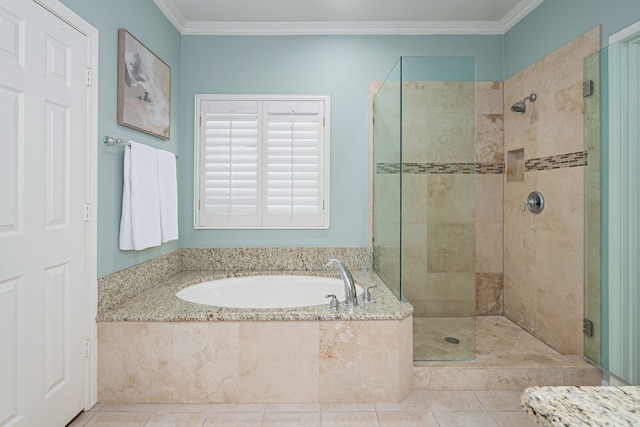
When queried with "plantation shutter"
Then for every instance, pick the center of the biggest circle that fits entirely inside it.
(294, 178)
(262, 161)
(230, 162)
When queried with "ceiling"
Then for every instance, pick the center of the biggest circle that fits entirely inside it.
(291, 17)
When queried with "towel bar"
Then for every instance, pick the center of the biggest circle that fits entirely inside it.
(109, 140)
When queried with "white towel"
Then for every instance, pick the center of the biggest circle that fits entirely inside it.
(168, 191)
(140, 220)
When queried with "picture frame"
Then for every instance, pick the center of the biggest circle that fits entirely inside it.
(144, 88)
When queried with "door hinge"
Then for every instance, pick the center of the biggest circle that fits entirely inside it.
(87, 348)
(88, 77)
(587, 88)
(87, 212)
(323, 205)
(587, 327)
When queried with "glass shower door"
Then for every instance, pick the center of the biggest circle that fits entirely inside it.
(387, 181)
(424, 199)
(438, 204)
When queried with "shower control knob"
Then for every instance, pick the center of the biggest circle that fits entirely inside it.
(535, 202)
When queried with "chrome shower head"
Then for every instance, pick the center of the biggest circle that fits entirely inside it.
(520, 106)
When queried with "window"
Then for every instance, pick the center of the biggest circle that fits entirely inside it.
(261, 161)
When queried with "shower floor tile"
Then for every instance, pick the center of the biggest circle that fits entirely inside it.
(429, 335)
(489, 340)
(505, 357)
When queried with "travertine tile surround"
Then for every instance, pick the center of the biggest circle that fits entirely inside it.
(275, 361)
(543, 254)
(154, 347)
(426, 168)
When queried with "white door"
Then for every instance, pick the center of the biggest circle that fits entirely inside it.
(43, 318)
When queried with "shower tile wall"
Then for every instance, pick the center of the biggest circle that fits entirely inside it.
(543, 254)
(452, 218)
(489, 198)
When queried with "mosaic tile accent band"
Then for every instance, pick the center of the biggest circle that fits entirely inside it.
(568, 160)
(441, 168)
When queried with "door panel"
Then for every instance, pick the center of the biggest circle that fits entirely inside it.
(43, 122)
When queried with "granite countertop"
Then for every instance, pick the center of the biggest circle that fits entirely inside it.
(583, 406)
(159, 303)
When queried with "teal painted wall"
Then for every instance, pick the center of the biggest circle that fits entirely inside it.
(556, 22)
(338, 66)
(142, 19)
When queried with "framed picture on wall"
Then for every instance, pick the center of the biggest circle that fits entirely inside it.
(144, 88)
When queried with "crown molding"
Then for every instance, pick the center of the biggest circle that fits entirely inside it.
(516, 14)
(341, 28)
(223, 28)
(173, 14)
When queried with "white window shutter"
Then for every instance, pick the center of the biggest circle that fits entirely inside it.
(230, 166)
(294, 178)
(262, 161)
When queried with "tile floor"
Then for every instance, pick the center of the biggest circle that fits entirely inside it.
(424, 408)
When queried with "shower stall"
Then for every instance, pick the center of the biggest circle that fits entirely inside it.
(425, 200)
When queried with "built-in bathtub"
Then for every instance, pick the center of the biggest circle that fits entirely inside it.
(156, 347)
(265, 291)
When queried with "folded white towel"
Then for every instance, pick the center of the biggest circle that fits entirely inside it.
(168, 191)
(140, 220)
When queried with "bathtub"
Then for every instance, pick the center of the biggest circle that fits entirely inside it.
(270, 291)
(200, 353)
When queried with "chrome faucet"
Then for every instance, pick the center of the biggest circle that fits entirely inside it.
(350, 297)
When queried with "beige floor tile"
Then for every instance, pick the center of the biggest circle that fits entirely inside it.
(184, 407)
(234, 419)
(237, 407)
(500, 400)
(129, 407)
(407, 419)
(512, 419)
(293, 419)
(293, 407)
(176, 419)
(118, 419)
(466, 419)
(82, 419)
(347, 407)
(349, 419)
(417, 401)
(451, 401)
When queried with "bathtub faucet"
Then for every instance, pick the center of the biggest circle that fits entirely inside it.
(350, 297)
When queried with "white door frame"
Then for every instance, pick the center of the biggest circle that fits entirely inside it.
(91, 33)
